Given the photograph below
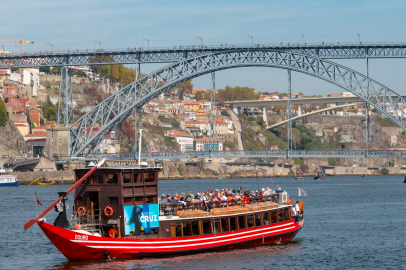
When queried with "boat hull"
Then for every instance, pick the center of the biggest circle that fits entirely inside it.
(78, 246)
(46, 184)
(9, 184)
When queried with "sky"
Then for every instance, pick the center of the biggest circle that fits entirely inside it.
(121, 24)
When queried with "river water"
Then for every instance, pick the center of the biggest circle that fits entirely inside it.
(351, 223)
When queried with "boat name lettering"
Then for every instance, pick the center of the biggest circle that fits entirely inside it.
(147, 217)
(81, 237)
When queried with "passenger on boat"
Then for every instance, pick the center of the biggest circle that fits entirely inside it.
(245, 198)
(280, 190)
(230, 199)
(174, 200)
(223, 199)
(182, 197)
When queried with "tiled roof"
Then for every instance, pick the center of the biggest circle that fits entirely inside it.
(206, 139)
(31, 102)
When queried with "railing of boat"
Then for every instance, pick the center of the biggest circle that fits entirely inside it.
(90, 221)
(172, 209)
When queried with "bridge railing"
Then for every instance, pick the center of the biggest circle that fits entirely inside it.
(212, 47)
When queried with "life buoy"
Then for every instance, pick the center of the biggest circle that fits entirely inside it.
(112, 233)
(81, 211)
(109, 214)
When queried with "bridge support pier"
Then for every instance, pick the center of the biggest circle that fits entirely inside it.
(265, 115)
(65, 107)
(300, 110)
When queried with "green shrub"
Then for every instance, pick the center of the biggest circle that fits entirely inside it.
(291, 172)
(3, 114)
(384, 171)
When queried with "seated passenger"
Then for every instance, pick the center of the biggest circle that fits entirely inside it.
(174, 200)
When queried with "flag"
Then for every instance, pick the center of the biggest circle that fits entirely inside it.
(36, 198)
(301, 192)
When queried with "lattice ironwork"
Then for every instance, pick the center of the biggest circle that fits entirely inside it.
(161, 55)
(112, 111)
(65, 109)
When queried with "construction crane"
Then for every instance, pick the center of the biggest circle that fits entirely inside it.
(21, 43)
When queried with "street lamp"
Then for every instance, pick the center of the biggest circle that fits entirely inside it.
(201, 40)
(143, 42)
(252, 39)
(302, 37)
(359, 37)
(94, 43)
(49, 44)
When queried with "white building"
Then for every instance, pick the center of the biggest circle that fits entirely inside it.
(207, 144)
(183, 139)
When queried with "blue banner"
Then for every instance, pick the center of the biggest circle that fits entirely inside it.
(138, 218)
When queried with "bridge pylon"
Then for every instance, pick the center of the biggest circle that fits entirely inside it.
(65, 106)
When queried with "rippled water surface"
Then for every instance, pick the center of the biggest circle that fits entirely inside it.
(351, 223)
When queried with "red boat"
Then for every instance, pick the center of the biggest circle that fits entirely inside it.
(133, 224)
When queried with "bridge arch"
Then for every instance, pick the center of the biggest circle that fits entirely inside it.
(94, 126)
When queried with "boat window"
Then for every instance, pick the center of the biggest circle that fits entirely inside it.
(274, 217)
(216, 226)
(266, 218)
(97, 179)
(85, 182)
(176, 230)
(207, 227)
(113, 200)
(149, 177)
(233, 223)
(257, 218)
(112, 179)
(127, 178)
(80, 200)
(241, 222)
(225, 226)
(137, 178)
(250, 221)
(288, 214)
(195, 227)
(150, 199)
(281, 216)
(187, 228)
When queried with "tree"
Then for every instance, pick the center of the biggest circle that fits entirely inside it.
(3, 114)
(50, 114)
(45, 69)
(236, 93)
(225, 113)
(203, 95)
(186, 87)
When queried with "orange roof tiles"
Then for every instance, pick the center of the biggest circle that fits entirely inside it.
(178, 133)
(31, 102)
(18, 114)
(206, 139)
(6, 104)
(19, 122)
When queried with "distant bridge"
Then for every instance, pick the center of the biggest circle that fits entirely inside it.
(178, 53)
(307, 114)
(246, 154)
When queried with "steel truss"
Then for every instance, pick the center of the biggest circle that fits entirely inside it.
(78, 58)
(65, 107)
(112, 111)
(250, 154)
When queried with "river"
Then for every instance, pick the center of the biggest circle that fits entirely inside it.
(351, 223)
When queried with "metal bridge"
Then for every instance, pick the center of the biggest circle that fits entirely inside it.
(245, 154)
(181, 53)
(108, 114)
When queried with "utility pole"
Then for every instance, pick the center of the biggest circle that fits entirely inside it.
(252, 40)
(94, 45)
(143, 43)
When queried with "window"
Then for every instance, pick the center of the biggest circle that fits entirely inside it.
(113, 200)
(187, 228)
(250, 221)
(274, 217)
(176, 230)
(266, 218)
(257, 218)
(233, 224)
(225, 226)
(137, 178)
(85, 182)
(207, 229)
(241, 223)
(149, 177)
(112, 179)
(127, 178)
(281, 216)
(97, 179)
(216, 226)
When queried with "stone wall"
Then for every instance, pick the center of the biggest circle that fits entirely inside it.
(28, 177)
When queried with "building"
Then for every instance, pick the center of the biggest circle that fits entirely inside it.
(199, 90)
(206, 104)
(23, 127)
(183, 139)
(39, 134)
(208, 144)
(34, 116)
(17, 102)
(192, 105)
